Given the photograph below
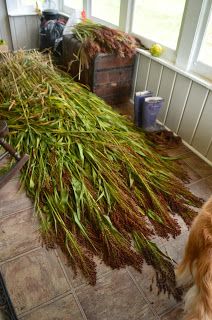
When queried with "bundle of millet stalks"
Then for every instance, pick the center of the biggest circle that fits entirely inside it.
(99, 186)
(96, 38)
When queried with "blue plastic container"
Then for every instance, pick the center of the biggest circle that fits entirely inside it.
(138, 105)
(150, 110)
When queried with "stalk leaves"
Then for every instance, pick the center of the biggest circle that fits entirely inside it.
(98, 185)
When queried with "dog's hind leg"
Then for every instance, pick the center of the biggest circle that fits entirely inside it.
(183, 274)
(198, 300)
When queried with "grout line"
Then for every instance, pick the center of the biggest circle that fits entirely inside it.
(63, 269)
(20, 255)
(14, 213)
(71, 287)
(79, 305)
(203, 178)
(56, 298)
(197, 153)
(179, 304)
(193, 169)
(142, 293)
(82, 284)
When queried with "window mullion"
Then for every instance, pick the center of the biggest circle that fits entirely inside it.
(188, 33)
(126, 15)
(87, 7)
(60, 5)
(203, 22)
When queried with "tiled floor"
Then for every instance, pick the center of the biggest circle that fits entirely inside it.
(42, 286)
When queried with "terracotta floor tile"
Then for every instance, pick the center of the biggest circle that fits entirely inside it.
(175, 247)
(37, 277)
(193, 176)
(18, 234)
(9, 191)
(182, 224)
(33, 279)
(198, 165)
(175, 314)
(114, 297)
(202, 188)
(160, 241)
(5, 160)
(18, 203)
(79, 279)
(160, 303)
(179, 151)
(62, 309)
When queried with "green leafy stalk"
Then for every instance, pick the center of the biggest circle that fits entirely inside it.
(96, 182)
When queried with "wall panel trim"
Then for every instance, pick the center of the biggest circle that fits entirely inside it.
(199, 117)
(184, 106)
(170, 97)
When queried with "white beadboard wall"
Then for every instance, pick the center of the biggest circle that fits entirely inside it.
(20, 32)
(25, 31)
(4, 24)
(187, 107)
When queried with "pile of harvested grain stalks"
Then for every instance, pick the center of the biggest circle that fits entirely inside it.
(96, 38)
(98, 185)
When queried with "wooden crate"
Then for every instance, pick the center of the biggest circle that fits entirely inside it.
(109, 76)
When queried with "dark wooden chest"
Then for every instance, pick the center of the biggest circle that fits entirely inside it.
(109, 76)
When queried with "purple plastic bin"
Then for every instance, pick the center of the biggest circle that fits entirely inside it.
(150, 110)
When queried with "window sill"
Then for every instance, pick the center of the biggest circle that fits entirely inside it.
(21, 13)
(195, 77)
(31, 13)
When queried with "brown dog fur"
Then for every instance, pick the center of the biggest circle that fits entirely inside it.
(196, 267)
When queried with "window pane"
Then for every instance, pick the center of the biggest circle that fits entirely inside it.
(107, 10)
(28, 2)
(206, 49)
(159, 20)
(75, 4)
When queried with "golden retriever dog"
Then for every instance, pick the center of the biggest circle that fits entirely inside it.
(196, 267)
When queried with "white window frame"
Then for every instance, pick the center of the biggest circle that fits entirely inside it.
(191, 36)
(169, 54)
(105, 22)
(16, 8)
(197, 65)
(193, 26)
(69, 10)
